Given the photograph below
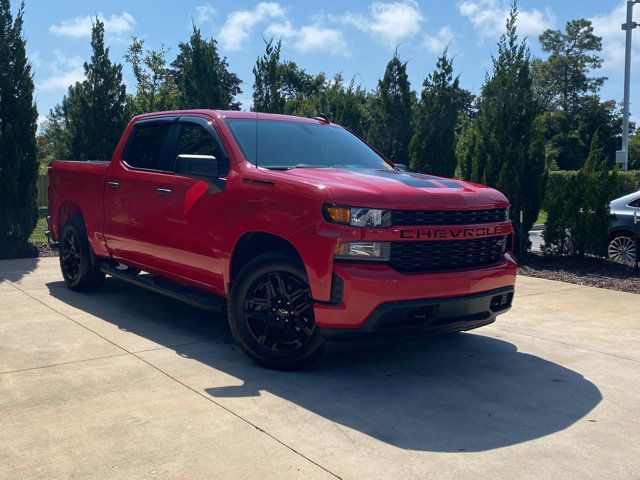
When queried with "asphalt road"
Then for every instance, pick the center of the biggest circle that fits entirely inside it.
(123, 383)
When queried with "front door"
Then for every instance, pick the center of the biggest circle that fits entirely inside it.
(187, 229)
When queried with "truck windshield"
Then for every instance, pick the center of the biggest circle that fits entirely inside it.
(284, 144)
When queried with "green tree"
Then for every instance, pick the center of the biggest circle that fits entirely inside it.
(95, 109)
(634, 150)
(18, 115)
(203, 77)
(156, 88)
(345, 104)
(53, 137)
(564, 76)
(508, 148)
(280, 86)
(390, 110)
(432, 148)
(567, 90)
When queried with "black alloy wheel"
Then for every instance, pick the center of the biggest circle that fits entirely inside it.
(80, 269)
(279, 312)
(271, 313)
(70, 255)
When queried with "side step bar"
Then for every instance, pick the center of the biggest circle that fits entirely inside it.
(193, 296)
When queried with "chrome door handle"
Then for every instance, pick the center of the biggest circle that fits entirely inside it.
(165, 192)
(113, 184)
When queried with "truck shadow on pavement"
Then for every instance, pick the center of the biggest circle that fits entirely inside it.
(462, 392)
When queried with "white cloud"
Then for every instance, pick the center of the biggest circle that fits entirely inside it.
(607, 26)
(311, 38)
(205, 13)
(438, 42)
(240, 24)
(65, 71)
(81, 26)
(390, 22)
(489, 18)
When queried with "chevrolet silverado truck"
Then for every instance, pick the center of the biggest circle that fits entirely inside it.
(296, 226)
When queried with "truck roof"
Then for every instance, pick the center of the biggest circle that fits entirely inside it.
(229, 114)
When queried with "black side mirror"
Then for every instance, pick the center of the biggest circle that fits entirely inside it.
(401, 166)
(199, 166)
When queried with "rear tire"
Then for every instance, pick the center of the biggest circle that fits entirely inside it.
(78, 270)
(271, 313)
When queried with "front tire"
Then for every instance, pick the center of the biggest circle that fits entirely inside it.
(78, 270)
(271, 313)
(622, 249)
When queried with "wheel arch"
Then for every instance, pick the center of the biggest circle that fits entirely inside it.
(67, 210)
(252, 244)
(617, 231)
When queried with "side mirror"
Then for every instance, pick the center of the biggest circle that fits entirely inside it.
(401, 166)
(199, 166)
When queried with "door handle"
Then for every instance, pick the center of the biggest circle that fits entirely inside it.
(113, 184)
(165, 192)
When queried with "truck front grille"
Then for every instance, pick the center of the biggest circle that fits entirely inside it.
(434, 256)
(447, 217)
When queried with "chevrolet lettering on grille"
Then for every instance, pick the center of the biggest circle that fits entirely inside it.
(453, 233)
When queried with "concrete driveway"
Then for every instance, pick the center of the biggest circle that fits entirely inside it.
(123, 383)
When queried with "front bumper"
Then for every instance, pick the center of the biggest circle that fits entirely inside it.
(378, 299)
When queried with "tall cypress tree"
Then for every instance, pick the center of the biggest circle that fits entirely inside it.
(18, 115)
(390, 130)
(432, 148)
(96, 107)
(508, 152)
(203, 77)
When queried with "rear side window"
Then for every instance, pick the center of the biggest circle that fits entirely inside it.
(635, 203)
(147, 147)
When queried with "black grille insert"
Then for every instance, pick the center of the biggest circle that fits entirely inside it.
(447, 217)
(433, 256)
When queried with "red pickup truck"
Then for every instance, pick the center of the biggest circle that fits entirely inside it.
(301, 229)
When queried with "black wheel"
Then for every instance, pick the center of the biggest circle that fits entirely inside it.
(79, 273)
(271, 313)
(622, 249)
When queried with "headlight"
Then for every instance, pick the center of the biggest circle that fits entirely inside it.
(378, 251)
(357, 216)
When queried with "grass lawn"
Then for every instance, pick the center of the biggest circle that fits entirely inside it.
(41, 227)
(542, 218)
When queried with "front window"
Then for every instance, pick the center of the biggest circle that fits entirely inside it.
(284, 144)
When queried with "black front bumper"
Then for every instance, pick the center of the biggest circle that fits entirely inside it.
(430, 316)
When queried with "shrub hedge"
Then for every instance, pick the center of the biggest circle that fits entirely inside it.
(573, 201)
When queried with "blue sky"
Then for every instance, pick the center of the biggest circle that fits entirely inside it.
(356, 38)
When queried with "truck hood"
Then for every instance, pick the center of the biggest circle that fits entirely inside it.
(396, 190)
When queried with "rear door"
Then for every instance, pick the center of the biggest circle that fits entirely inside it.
(134, 194)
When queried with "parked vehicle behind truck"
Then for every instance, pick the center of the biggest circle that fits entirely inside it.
(296, 226)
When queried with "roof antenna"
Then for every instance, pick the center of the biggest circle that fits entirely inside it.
(323, 117)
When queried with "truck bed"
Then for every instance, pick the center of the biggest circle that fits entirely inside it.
(82, 183)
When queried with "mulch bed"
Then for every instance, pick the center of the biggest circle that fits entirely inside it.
(44, 250)
(593, 272)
